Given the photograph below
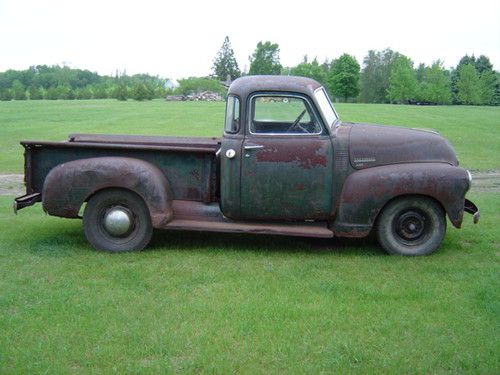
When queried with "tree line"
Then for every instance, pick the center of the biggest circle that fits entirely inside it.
(56, 82)
(385, 77)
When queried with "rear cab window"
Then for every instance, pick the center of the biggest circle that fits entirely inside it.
(232, 124)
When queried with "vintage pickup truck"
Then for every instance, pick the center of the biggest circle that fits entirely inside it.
(285, 165)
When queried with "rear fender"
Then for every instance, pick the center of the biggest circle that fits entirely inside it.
(367, 191)
(70, 184)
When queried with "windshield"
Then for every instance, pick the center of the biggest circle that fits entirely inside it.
(325, 106)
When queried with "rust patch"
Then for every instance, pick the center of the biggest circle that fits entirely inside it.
(306, 155)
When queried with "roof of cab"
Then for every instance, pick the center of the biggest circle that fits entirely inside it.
(244, 86)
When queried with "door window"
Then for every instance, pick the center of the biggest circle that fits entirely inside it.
(281, 114)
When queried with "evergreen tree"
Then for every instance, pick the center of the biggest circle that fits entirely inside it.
(402, 81)
(265, 59)
(468, 85)
(140, 92)
(224, 63)
(483, 64)
(343, 78)
(487, 87)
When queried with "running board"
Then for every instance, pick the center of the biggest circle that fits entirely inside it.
(199, 216)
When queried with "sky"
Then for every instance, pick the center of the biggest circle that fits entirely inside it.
(176, 39)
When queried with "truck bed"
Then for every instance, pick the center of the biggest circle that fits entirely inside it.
(188, 163)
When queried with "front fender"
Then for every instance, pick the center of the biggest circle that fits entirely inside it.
(367, 191)
(70, 184)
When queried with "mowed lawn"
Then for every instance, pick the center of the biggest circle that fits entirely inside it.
(219, 303)
(473, 131)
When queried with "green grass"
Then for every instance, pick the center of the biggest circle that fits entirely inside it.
(220, 303)
(240, 303)
(474, 131)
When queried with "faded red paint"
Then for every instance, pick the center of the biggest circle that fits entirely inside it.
(307, 156)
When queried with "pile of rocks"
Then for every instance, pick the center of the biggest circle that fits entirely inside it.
(206, 96)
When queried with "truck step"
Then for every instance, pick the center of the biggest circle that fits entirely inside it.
(301, 230)
(208, 217)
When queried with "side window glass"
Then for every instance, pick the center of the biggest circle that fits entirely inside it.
(232, 115)
(283, 115)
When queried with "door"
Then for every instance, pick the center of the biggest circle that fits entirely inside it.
(286, 160)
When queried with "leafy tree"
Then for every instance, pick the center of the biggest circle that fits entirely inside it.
(265, 59)
(311, 70)
(374, 78)
(18, 90)
(344, 77)
(99, 92)
(435, 85)
(195, 85)
(224, 63)
(120, 92)
(420, 72)
(5, 94)
(402, 81)
(83, 93)
(468, 85)
(465, 60)
(160, 92)
(35, 93)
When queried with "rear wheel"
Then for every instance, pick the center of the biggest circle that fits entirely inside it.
(411, 226)
(117, 221)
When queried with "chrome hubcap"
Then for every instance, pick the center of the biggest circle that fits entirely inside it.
(118, 221)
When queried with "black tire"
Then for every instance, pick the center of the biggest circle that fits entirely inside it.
(96, 221)
(411, 226)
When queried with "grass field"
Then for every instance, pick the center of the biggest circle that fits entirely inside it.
(211, 303)
(473, 131)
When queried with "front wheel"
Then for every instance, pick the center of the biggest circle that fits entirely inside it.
(411, 226)
(117, 221)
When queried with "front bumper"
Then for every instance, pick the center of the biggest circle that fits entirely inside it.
(472, 209)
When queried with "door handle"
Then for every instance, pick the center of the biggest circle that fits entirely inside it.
(253, 147)
(230, 153)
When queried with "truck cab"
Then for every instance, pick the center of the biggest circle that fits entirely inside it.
(277, 139)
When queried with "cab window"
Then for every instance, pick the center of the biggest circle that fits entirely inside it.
(283, 114)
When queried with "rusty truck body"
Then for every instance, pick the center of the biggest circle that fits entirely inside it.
(285, 165)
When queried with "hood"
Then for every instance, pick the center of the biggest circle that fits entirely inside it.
(374, 145)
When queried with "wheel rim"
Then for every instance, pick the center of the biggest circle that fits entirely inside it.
(118, 222)
(411, 227)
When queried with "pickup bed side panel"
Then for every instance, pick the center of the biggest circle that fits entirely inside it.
(68, 185)
(191, 174)
(365, 193)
